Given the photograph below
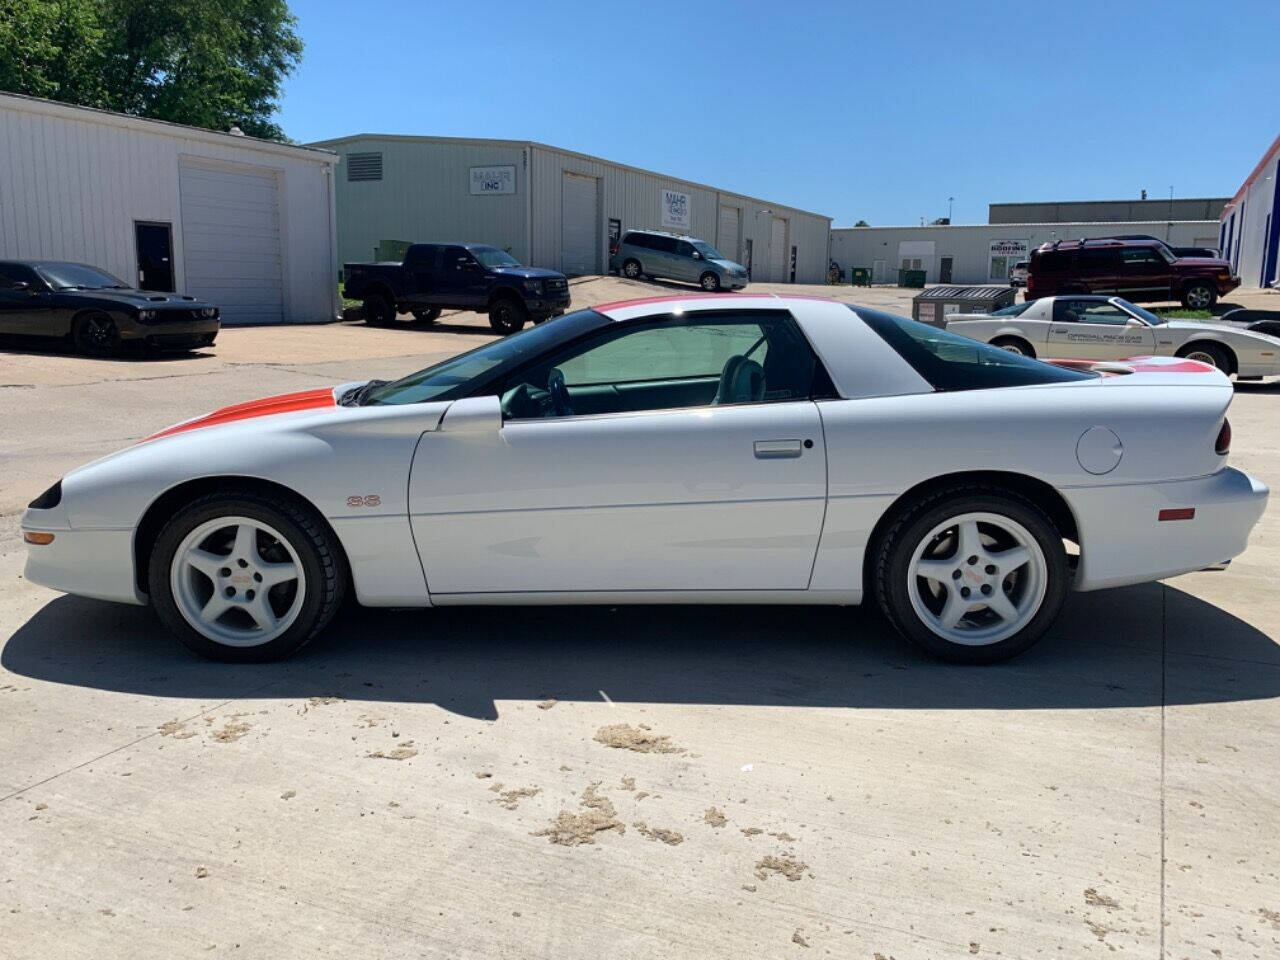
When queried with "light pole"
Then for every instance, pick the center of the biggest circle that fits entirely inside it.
(950, 201)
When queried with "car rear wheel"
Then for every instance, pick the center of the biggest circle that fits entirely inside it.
(973, 576)
(245, 576)
(1209, 353)
(709, 282)
(632, 270)
(378, 310)
(507, 315)
(95, 334)
(1014, 345)
(427, 316)
(1199, 296)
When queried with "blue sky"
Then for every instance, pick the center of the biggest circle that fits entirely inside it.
(874, 111)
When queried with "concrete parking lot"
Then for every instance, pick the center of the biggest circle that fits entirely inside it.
(618, 782)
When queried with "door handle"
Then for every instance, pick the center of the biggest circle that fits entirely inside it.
(777, 449)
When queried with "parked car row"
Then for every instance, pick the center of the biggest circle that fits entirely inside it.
(97, 312)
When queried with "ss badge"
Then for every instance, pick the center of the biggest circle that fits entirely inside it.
(368, 500)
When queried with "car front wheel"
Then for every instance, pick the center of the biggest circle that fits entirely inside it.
(507, 315)
(709, 282)
(973, 576)
(378, 310)
(246, 576)
(96, 334)
(1199, 296)
(631, 270)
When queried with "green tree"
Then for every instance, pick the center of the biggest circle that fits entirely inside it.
(209, 63)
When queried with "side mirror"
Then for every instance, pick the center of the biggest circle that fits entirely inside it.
(473, 415)
(1134, 322)
(697, 255)
(21, 285)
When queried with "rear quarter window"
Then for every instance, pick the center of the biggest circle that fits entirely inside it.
(951, 362)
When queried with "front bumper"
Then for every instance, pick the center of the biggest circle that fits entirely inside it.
(733, 283)
(548, 306)
(162, 331)
(88, 563)
(1122, 541)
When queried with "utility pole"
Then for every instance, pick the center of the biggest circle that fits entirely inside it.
(950, 201)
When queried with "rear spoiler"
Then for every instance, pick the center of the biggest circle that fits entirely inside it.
(1119, 368)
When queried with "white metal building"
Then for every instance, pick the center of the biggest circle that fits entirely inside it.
(1249, 233)
(247, 224)
(553, 208)
(985, 253)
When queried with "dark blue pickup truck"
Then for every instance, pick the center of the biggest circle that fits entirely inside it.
(457, 276)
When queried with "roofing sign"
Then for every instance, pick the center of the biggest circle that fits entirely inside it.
(1009, 248)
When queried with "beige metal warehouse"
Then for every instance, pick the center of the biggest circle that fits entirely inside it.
(248, 224)
(551, 207)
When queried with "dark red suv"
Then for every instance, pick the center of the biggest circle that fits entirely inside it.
(1138, 270)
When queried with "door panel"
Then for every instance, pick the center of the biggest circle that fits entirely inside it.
(672, 500)
(1088, 330)
(154, 247)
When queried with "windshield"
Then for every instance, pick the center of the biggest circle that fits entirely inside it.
(493, 257)
(1013, 310)
(707, 250)
(78, 276)
(458, 376)
(1152, 318)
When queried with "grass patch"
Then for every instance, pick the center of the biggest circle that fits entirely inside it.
(342, 295)
(1179, 314)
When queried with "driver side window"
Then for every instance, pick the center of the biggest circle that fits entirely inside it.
(667, 364)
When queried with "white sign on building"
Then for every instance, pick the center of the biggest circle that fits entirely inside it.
(676, 209)
(1004, 254)
(493, 181)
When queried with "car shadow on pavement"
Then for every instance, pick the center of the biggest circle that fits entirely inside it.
(1110, 649)
(130, 351)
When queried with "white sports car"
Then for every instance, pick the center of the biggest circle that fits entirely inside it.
(730, 449)
(1092, 327)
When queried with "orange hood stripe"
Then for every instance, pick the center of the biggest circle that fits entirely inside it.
(267, 406)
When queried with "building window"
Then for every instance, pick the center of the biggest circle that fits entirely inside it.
(364, 166)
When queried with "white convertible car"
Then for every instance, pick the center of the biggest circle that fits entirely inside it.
(1092, 327)
(730, 449)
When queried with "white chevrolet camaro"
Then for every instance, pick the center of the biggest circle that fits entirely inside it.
(731, 449)
(1093, 327)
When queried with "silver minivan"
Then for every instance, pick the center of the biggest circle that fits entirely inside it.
(649, 253)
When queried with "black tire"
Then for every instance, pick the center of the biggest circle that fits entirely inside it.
(709, 282)
(892, 555)
(1015, 345)
(426, 316)
(378, 310)
(322, 559)
(1208, 353)
(95, 334)
(1199, 296)
(632, 270)
(507, 315)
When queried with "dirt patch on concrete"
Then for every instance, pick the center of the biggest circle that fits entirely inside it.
(671, 838)
(623, 736)
(1272, 916)
(402, 752)
(575, 829)
(798, 937)
(752, 831)
(231, 731)
(714, 817)
(783, 836)
(176, 729)
(1095, 899)
(786, 865)
(548, 703)
(511, 798)
(628, 783)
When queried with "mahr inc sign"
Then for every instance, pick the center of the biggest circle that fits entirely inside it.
(493, 181)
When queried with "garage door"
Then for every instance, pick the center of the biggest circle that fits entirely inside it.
(231, 241)
(579, 226)
(727, 239)
(778, 251)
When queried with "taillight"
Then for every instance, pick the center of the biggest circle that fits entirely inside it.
(1222, 446)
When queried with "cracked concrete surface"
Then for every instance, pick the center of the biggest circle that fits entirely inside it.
(1113, 791)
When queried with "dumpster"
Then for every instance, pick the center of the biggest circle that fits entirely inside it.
(860, 276)
(911, 278)
(390, 250)
(937, 303)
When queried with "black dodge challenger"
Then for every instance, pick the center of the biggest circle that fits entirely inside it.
(96, 311)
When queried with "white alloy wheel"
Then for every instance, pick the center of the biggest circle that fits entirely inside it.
(1012, 348)
(977, 578)
(237, 581)
(1203, 356)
